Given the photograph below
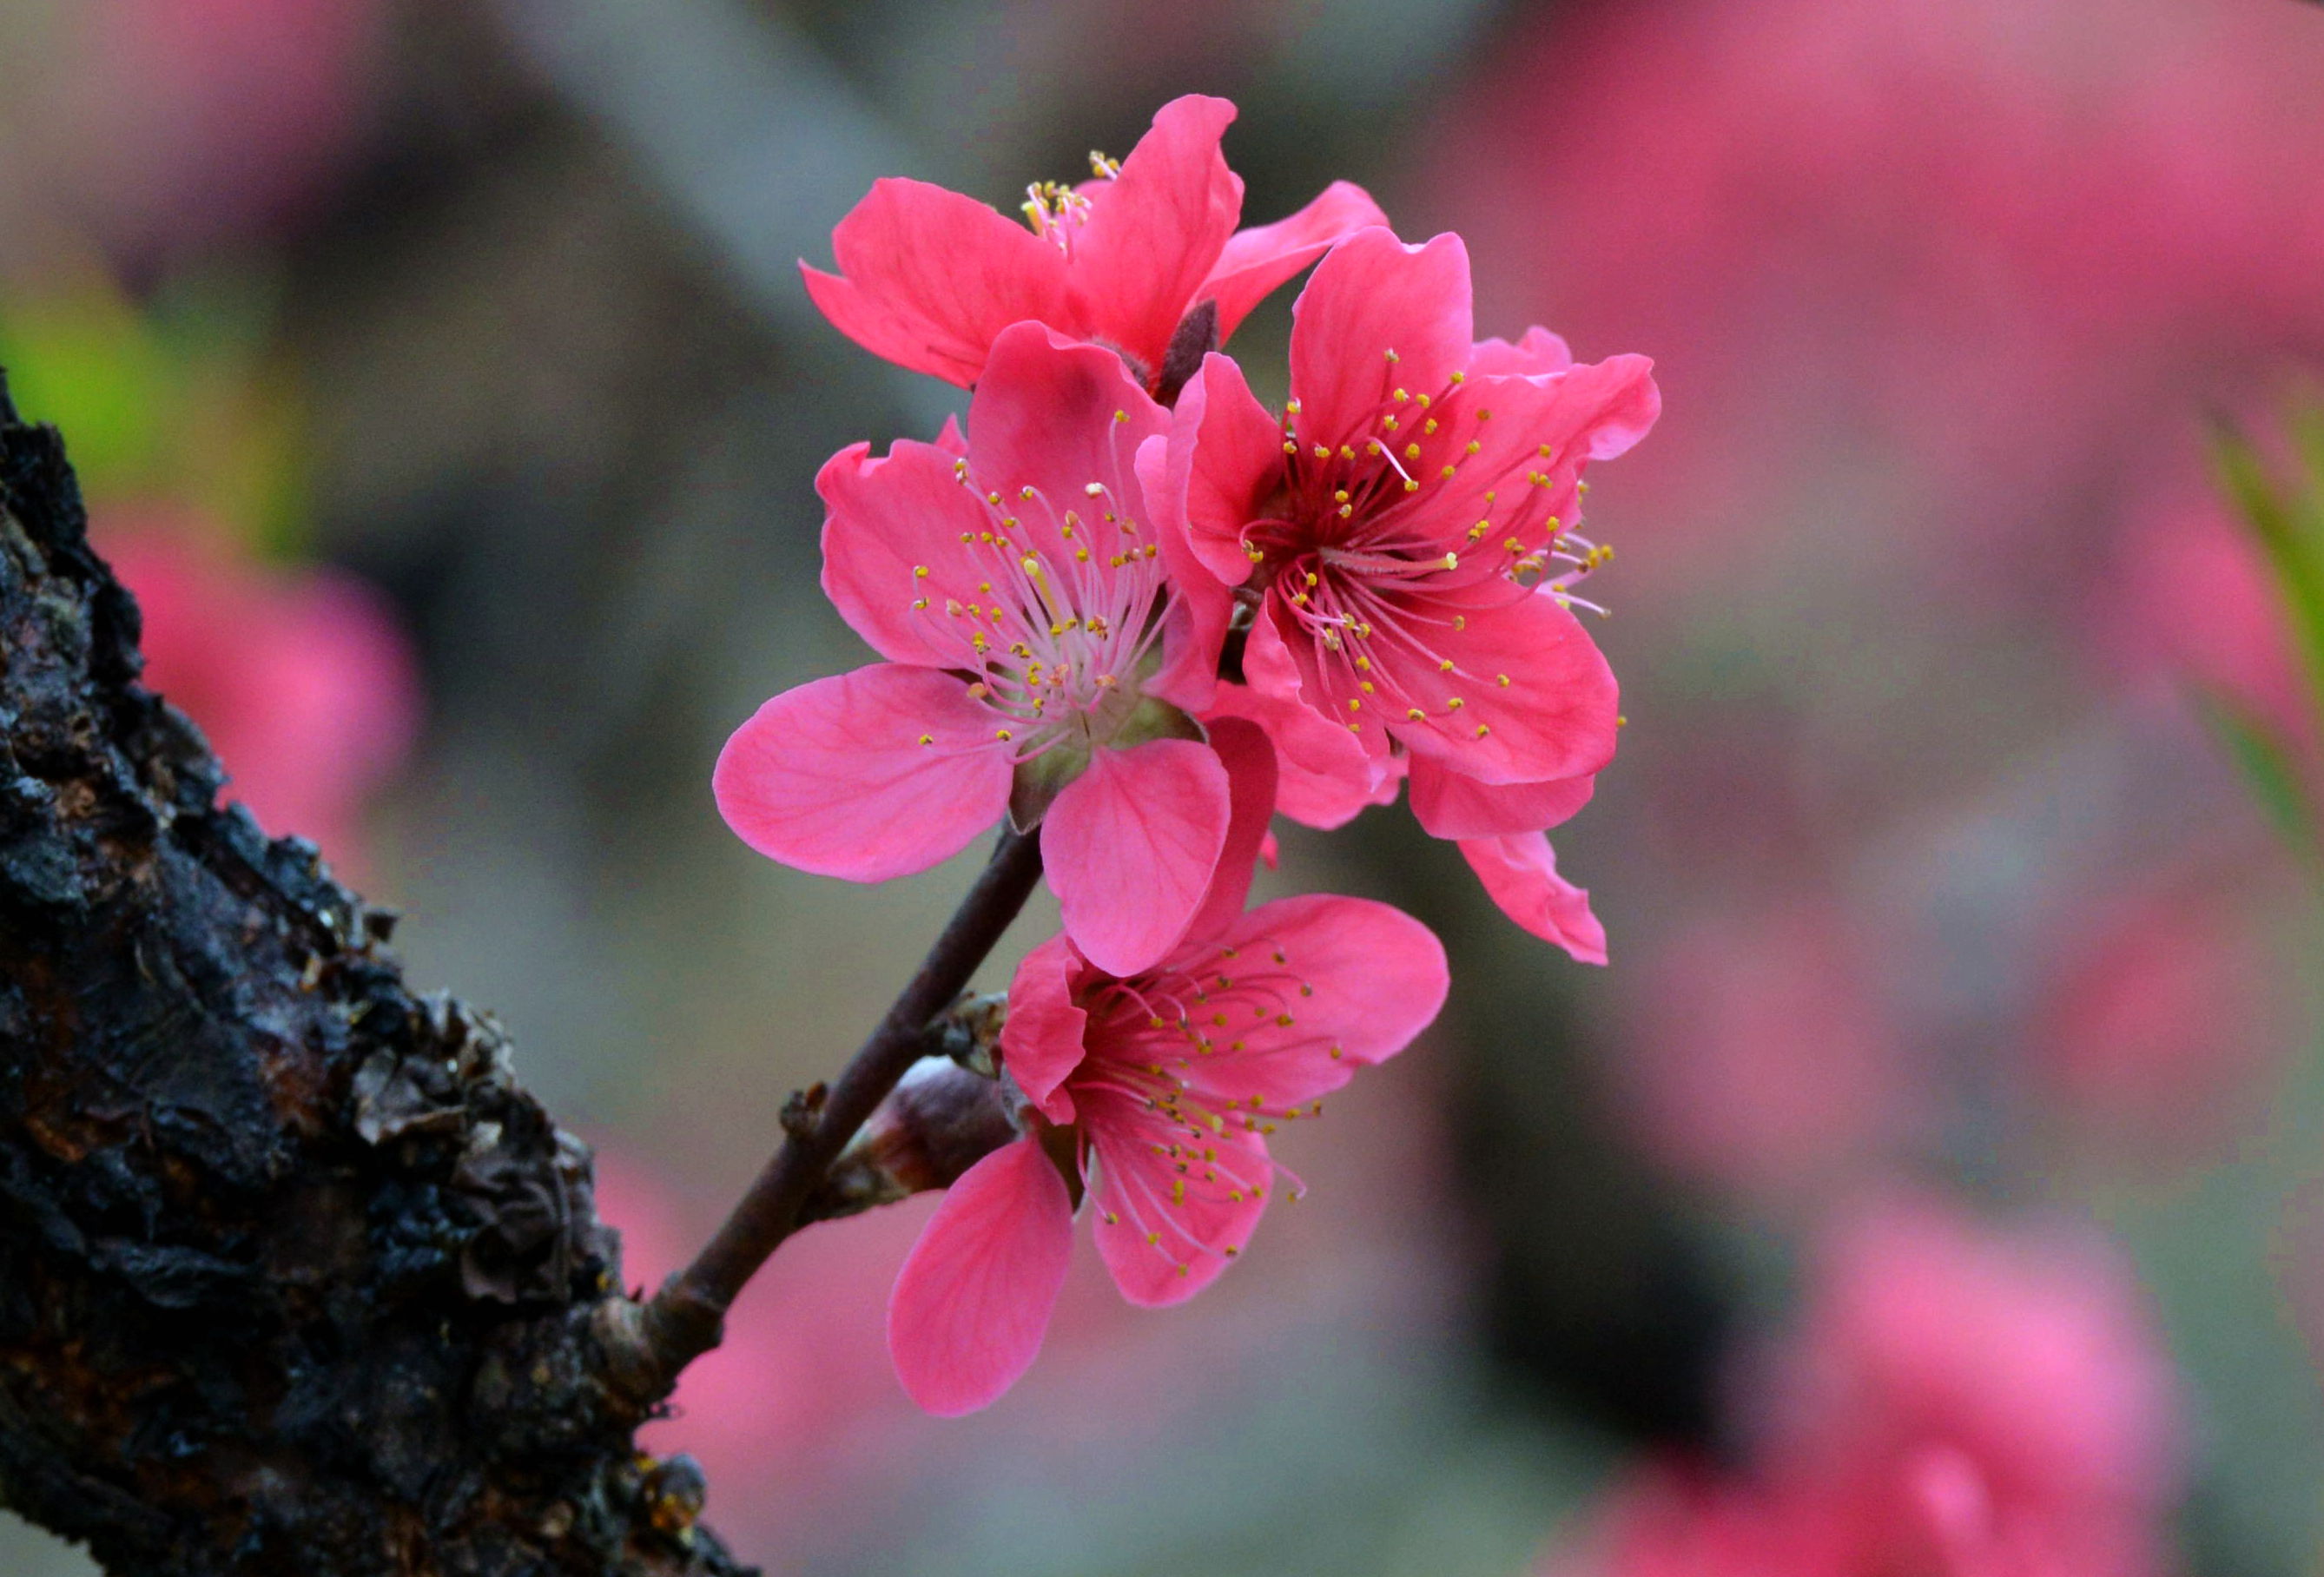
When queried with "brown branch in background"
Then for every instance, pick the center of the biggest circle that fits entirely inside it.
(648, 1349)
(294, 1276)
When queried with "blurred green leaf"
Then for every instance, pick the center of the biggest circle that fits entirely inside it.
(2270, 766)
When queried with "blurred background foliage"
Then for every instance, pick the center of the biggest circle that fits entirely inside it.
(439, 371)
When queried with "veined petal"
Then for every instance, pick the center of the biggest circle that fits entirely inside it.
(1155, 229)
(1129, 847)
(1369, 297)
(1315, 988)
(1259, 259)
(1450, 806)
(1042, 1039)
(1553, 716)
(927, 278)
(893, 561)
(1520, 874)
(974, 1299)
(1168, 1223)
(866, 775)
(1225, 457)
(1243, 750)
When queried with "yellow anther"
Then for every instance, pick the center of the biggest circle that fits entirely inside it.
(1474, 447)
(927, 739)
(1502, 680)
(1451, 561)
(1453, 703)
(1415, 713)
(1003, 736)
(1430, 425)
(1412, 451)
(1400, 396)
(1354, 704)
(1322, 451)
(1483, 730)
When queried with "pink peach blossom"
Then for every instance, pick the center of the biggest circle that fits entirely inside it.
(1403, 539)
(301, 681)
(928, 278)
(1153, 1095)
(1040, 662)
(1762, 1054)
(1958, 1401)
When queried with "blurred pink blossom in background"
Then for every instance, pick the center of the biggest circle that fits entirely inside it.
(1762, 1053)
(301, 679)
(1954, 1399)
(167, 126)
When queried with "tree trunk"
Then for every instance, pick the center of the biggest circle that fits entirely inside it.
(294, 1276)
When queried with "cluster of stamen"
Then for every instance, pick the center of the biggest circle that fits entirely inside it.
(1055, 210)
(1152, 1039)
(1357, 554)
(1058, 629)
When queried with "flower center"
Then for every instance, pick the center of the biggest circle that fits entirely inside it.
(1357, 554)
(1065, 620)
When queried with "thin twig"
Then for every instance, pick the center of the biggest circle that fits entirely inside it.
(684, 1319)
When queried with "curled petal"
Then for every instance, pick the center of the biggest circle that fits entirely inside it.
(1129, 847)
(1225, 456)
(1042, 1041)
(1540, 351)
(1258, 260)
(1450, 806)
(1520, 874)
(928, 278)
(974, 1299)
(866, 775)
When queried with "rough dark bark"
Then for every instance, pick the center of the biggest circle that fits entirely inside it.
(294, 1277)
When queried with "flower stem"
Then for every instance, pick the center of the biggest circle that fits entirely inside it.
(685, 1319)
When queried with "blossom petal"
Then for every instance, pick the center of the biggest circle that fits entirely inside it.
(1450, 806)
(833, 777)
(1165, 1234)
(1371, 296)
(1259, 259)
(1520, 874)
(974, 1299)
(1042, 1039)
(1155, 229)
(1045, 416)
(1539, 351)
(927, 278)
(1322, 775)
(1225, 457)
(1248, 758)
(1325, 774)
(1130, 846)
(1553, 718)
(892, 556)
(1319, 986)
(1195, 629)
